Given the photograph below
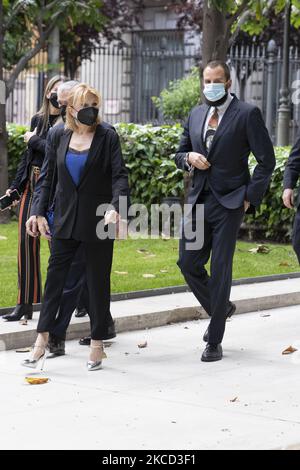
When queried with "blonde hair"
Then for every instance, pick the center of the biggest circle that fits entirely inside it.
(44, 111)
(78, 97)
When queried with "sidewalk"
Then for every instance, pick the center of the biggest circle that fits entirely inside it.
(149, 312)
(163, 396)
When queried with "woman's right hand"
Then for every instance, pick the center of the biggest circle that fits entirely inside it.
(43, 227)
(7, 193)
(32, 226)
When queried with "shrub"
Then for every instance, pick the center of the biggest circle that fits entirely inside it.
(176, 101)
(273, 219)
(149, 155)
(15, 147)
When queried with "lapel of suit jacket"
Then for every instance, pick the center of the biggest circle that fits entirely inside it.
(62, 150)
(95, 149)
(201, 123)
(230, 112)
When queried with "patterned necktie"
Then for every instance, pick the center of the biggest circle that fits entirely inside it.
(211, 128)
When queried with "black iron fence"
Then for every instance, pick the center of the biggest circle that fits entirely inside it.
(128, 75)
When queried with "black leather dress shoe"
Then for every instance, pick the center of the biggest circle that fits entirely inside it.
(212, 353)
(231, 310)
(80, 312)
(21, 310)
(111, 333)
(85, 341)
(56, 347)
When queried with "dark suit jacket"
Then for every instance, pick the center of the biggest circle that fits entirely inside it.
(104, 179)
(53, 136)
(35, 152)
(241, 131)
(292, 169)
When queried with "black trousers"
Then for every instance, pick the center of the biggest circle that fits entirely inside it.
(221, 228)
(98, 262)
(75, 293)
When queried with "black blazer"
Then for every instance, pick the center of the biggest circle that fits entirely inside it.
(53, 136)
(35, 152)
(241, 131)
(104, 179)
(292, 169)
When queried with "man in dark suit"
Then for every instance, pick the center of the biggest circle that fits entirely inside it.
(215, 145)
(291, 175)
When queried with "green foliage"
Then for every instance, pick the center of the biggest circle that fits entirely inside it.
(176, 101)
(27, 22)
(15, 147)
(149, 155)
(272, 215)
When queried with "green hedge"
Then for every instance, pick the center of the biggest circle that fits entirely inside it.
(149, 155)
(16, 147)
(176, 101)
(273, 220)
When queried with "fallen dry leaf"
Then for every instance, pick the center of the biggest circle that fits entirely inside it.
(284, 263)
(265, 315)
(121, 272)
(260, 249)
(23, 322)
(2, 237)
(24, 350)
(148, 275)
(289, 350)
(163, 271)
(164, 236)
(143, 345)
(36, 380)
(142, 251)
(233, 400)
(151, 255)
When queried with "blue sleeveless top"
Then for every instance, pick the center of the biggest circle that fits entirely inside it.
(75, 163)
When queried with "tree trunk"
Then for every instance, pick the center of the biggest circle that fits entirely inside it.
(215, 38)
(53, 53)
(4, 216)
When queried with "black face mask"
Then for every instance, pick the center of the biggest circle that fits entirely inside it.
(88, 116)
(53, 100)
(63, 111)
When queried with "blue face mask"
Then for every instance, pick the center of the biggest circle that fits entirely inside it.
(214, 91)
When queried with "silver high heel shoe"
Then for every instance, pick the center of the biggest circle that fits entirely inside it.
(33, 363)
(96, 365)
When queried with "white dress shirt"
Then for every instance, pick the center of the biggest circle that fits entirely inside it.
(221, 111)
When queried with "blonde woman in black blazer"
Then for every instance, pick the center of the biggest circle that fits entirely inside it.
(90, 171)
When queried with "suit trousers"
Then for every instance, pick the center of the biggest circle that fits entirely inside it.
(98, 259)
(221, 226)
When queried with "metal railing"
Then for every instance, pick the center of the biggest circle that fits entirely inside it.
(128, 75)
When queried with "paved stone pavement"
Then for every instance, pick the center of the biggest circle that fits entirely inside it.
(162, 396)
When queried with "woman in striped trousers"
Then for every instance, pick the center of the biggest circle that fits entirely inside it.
(29, 274)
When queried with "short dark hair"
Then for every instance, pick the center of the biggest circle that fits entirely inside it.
(213, 64)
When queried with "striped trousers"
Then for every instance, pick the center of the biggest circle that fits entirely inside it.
(29, 273)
